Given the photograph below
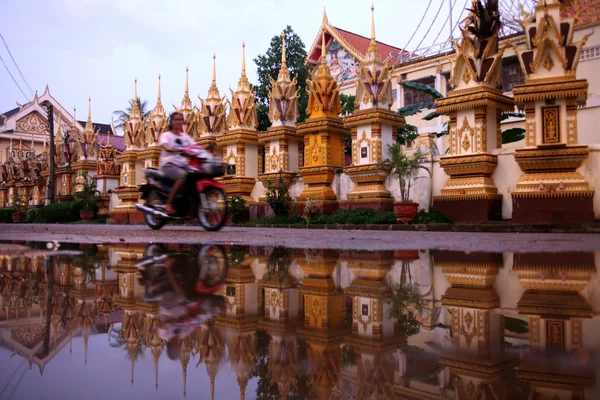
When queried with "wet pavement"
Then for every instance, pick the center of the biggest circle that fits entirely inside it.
(201, 321)
(306, 238)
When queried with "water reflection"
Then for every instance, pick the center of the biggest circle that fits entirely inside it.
(289, 323)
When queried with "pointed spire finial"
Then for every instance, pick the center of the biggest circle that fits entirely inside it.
(47, 90)
(325, 19)
(283, 55)
(323, 50)
(243, 58)
(135, 96)
(372, 23)
(159, 88)
(214, 71)
(89, 109)
(187, 87)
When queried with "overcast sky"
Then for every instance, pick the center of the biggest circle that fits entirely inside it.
(96, 48)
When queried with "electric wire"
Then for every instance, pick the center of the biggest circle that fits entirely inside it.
(13, 78)
(460, 17)
(431, 26)
(16, 65)
(444, 26)
(418, 26)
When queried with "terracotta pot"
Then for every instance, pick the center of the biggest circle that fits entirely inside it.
(18, 217)
(405, 211)
(86, 215)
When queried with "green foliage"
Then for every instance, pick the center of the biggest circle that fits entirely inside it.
(431, 217)
(89, 195)
(313, 208)
(349, 357)
(6, 215)
(268, 65)
(407, 134)
(508, 115)
(237, 255)
(59, 212)
(348, 104)
(278, 263)
(406, 297)
(237, 208)
(123, 115)
(358, 216)
(516, 325)
(513, 135)
(421, 87)
(414, 109)
(405, 168)
(278, 196)
(32, 215)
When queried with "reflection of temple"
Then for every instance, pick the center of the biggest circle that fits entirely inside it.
(325, 324)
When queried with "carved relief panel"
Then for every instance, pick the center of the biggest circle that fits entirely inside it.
(551, 125)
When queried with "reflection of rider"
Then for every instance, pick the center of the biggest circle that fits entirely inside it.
(172, 161)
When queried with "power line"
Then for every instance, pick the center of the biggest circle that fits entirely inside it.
(16, 65)
(418, 26)
(13, 78)
(431, 26)
(447, 20)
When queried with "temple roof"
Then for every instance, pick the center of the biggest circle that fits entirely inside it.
(118, 142)
(355, 44)
(101, 128)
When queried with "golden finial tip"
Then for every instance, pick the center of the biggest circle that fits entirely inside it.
(372, 7)
(244, 44)
(214, 56)
(158, 76)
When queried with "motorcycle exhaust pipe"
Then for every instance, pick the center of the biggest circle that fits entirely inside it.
(152, 211)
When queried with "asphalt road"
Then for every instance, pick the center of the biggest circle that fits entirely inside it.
(306, 238)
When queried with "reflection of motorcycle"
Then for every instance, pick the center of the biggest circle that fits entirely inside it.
(186, 287)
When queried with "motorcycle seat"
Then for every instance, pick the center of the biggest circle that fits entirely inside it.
(159, 176)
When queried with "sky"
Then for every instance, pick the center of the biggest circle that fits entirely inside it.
(96, 48)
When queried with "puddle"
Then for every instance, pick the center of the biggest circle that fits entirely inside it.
(167, 321)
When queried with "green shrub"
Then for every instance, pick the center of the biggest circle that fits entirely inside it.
(431, 217)
(59, 212)
(278, 196)
(358, 216)
(6, 215)
(32, 215)
(237, 208)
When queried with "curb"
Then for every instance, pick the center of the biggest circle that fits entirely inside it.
(484, 227)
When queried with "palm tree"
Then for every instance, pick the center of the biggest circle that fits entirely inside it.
(123, 115)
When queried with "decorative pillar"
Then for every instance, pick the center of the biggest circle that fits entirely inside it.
(212, 120)
(107, 175)
(557, 314)
(474, 107)
(476, 355)
(373, 128)
(281, 140)
(87, 145)
(156, 124)
(323, 134)
(550, 188)
(240, 144)
(130, 177)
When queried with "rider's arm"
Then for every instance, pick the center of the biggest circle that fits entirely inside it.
(168, 148)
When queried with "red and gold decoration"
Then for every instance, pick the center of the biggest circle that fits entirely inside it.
(212, 120)
(551, 189)
(373, 127)
(474, 108)
(240, 143)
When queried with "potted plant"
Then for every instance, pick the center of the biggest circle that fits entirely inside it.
(87, 197)
(20, 207)
(406, 169)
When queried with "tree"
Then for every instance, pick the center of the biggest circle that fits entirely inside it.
(123, 115)
(348, 108)
(268, 65)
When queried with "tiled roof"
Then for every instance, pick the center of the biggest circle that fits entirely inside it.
(357, 42)
(118, 142)
(102, 128)
(9, 114)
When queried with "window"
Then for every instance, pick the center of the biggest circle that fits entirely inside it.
(589, 53)
(511, 74)
(416, 96)
(394, 94)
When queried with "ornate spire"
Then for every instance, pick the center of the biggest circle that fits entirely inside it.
(373, 52)
(136, 114)
(242, 110)
(211, 116)
(186, 102)
(158, 97)
(214, 70)
(157, 121)
(283, 96)
(325, 18)
(324, 96)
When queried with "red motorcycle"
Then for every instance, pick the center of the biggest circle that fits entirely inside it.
(202, 196)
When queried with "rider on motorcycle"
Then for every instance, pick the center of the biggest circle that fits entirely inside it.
(172, 162)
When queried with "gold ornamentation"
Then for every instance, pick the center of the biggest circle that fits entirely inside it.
(324, 96)
(555, 335)
(466, 76)
(548, 62)
(32, 123)
(551, 124)
(466, 144)
(576, 334)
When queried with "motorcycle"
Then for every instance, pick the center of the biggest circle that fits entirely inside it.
(202, 196)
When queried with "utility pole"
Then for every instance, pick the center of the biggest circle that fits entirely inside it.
(50, 111)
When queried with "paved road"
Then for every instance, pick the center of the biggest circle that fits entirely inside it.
(306, 238)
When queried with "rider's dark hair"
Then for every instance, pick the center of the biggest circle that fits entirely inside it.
(173, 114)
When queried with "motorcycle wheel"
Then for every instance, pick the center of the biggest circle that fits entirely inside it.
(212, 265)
(214, 216)
(153, 222)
